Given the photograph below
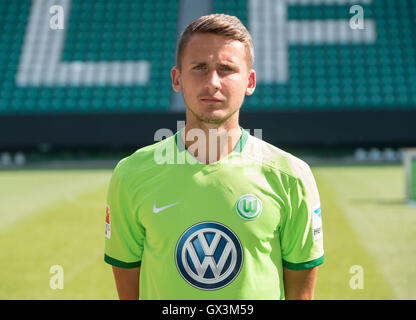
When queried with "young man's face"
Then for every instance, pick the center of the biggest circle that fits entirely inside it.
(214, 77)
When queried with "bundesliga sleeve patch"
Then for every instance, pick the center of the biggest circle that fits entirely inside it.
(107, 223)
(317, 223)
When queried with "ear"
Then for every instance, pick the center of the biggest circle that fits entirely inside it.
(176, 79)
(251, 82)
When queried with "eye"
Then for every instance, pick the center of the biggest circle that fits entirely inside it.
(199, 67)
(226, 68)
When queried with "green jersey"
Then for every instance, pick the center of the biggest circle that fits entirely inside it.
(223, 230)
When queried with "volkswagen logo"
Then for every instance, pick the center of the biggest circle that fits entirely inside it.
(209, 256)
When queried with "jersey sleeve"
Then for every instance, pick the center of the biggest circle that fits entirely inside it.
(124, 235)
(301, 230)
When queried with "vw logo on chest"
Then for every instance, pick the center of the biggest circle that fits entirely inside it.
(209, 256)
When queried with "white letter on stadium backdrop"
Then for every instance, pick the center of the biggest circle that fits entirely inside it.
(357, 280)
(273, 32)
(40, 62)
(57, 20)
(357, 21)
(57, 280)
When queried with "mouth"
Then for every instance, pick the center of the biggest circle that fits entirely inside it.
(210, 100)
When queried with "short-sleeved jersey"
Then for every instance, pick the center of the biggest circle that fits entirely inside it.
(223, 230)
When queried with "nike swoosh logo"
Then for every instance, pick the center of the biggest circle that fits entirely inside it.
(157, 210)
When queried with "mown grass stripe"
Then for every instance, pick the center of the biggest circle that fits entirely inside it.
(69, 234)
(343, 250)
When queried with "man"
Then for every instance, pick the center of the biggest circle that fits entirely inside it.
(236, 220)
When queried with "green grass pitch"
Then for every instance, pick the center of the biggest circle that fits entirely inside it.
(56, 217)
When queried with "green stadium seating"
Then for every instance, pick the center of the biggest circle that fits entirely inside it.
(354, 75)
(342, 76)
(97, 31)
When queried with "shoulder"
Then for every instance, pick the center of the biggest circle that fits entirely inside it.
(285, 166)
(276, 158)
(142, 159)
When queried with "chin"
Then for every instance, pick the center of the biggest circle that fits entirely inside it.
(215, 117)
(212, 119)
(212, 115)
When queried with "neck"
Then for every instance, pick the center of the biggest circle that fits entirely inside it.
(209, 142)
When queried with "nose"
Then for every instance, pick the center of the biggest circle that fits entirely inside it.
(213, 82)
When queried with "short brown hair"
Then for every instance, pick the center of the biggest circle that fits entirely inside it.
(219, 24)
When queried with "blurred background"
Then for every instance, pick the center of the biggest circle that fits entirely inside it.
(84, 83)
